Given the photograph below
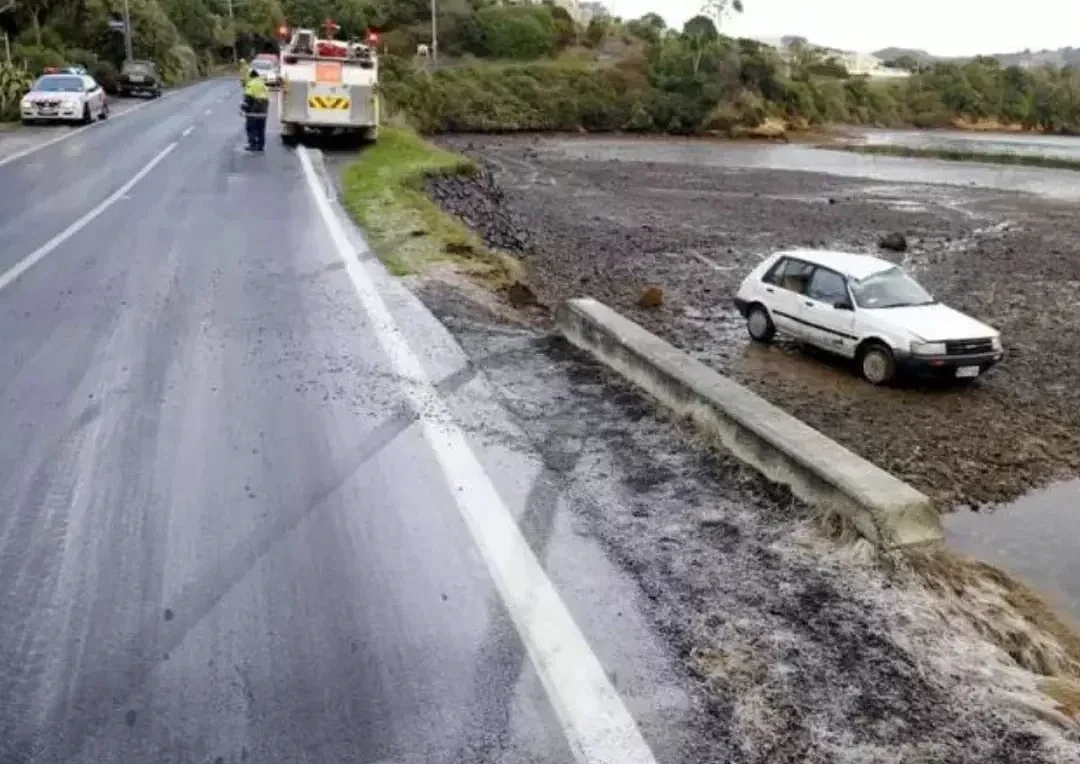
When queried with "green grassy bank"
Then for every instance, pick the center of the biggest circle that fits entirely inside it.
(384, 192)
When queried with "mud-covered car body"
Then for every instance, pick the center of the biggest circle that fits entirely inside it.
(139, 78)
(866, 309)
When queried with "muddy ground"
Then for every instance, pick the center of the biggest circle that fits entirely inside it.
(611, 228)
(798, 649)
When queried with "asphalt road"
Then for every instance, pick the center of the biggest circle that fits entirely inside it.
(254, 503)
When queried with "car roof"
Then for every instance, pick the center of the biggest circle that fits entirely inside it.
(848, 263)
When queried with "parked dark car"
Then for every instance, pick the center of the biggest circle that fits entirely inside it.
(139, 78)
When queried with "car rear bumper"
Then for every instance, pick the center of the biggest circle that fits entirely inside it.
(946, 365)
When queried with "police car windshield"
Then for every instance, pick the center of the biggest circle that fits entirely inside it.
(59, 84)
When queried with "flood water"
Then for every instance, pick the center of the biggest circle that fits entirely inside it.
(1036, 537)
(1062, 146)
(1054, 184)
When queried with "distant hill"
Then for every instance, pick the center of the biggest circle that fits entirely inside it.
(1024, 58)
(889, 54)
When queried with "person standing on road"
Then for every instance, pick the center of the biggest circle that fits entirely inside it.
(256, 109)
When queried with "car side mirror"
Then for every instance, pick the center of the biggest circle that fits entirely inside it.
(843, 304)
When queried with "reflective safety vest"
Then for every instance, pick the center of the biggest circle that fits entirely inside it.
(256, 88)
(256, 98)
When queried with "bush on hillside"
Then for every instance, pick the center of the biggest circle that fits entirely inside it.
(515, 32)
(14, 83)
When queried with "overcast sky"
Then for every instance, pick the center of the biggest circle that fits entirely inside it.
(942, 27)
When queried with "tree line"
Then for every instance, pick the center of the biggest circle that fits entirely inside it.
(518, 67)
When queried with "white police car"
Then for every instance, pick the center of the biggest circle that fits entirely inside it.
(64, 97)
(867, 309)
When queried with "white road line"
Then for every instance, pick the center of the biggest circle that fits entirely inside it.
(187, 132)
(72, 133)
(36, 256)
(597, 725)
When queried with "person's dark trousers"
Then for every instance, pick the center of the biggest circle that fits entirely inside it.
(256, 132)
(253, 124)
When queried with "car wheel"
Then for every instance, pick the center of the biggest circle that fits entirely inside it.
(759, 324)
(104, 110)
(87, 117)
(876, 364)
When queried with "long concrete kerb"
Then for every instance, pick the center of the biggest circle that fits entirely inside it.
(820, 471)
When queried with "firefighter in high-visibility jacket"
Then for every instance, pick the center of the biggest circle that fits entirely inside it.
(255, 109)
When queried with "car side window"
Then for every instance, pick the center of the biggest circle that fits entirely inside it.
(775, 274)
(827, 286)
(789, 274)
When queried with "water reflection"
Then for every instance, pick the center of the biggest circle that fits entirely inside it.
(1056, 184)
(1037, 537)
(1064, 146)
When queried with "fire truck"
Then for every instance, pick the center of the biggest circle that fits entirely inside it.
(328, 86)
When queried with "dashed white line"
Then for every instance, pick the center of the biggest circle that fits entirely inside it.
(187, 132)
(597, 725)
(72, 133)
(36, 256)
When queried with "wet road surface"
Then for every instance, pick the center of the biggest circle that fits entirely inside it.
(237, 521)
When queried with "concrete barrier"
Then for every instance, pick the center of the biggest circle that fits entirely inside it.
(820, 471)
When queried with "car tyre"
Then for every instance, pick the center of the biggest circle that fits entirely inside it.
(760, 325)
(87, 117)
(877, 364)
(104, 111)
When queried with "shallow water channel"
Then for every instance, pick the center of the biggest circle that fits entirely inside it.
(1048, 183)
(1036, 537)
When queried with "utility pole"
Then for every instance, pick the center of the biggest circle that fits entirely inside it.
(7, 45)
(128, 48)
(232, 29)
(434, 36)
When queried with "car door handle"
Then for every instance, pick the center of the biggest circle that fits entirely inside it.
(770, 290)
(810, 303)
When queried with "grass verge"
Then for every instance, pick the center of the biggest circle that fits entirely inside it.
(384, 192)
(960, 155)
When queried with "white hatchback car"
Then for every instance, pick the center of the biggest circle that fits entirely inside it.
(867, 309)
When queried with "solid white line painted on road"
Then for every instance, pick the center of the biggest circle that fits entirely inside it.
(597, 725)
(72, 133)
(34, 257)
(187, 132)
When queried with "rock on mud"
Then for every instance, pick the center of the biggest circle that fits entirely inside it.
(894, 242)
